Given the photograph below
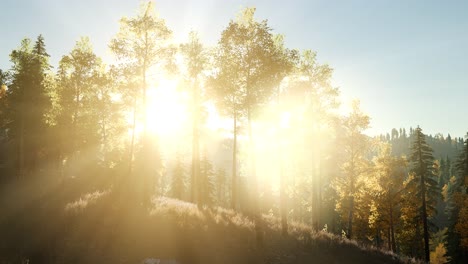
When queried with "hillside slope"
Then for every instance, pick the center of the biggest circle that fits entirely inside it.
(67, 227)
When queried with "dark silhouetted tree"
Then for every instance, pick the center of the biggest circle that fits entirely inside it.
(28, 103)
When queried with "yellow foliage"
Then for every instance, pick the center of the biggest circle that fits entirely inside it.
(3, 89)
(438, 255)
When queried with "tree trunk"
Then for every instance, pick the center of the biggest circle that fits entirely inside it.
(424, 209)
(350, 217)
(389, 238)
(195, 186)
(123, 182)
(319, 192)
(377, 238)
(234, 166)
(392, 231)
(424, 218)
(256, 210)
(75, 120)
(21, 169)
(145, 62)
(283, 201)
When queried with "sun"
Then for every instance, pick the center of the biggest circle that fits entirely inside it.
(167, 113)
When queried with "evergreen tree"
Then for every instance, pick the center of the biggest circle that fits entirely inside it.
(221, 187)
(457, 204)
(207, 184)
(461, 168)
(27, 104)
(427, 191)
(178, 179)
(443, 176)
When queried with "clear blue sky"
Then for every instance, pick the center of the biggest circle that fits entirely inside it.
(407, 61)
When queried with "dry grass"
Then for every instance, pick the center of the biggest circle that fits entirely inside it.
(85, 201)
(58, 224)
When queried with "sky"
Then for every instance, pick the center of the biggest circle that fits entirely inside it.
(406, 61)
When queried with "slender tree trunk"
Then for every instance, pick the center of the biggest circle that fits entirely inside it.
(145, 66)
(283, 199)
(234, 165)
(104, 141)
(147, 147)
(377, 236)
(424, 218)
(252, 158)
(351, 201)
(256, 210)
(312, 196)
(319, 192)
(145, 110)
(21, 169)
(314, 183)
(389, 238)
(74, 133)
(350, 217)
(195, 188)
(392, 230)
(132, 142)
(75, 120)
(145, 177)
(424, 209)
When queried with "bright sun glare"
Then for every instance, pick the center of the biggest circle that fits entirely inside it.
(167, 109)
(169, 113)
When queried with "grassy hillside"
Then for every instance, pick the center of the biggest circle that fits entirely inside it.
(58, 224)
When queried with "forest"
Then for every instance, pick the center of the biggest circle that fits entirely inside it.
(243, 142)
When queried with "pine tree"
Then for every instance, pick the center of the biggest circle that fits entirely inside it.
(457, 204)
(178, 179)
(28, 103)
(443, 169)
(427, 191)
(221, 187)
(207, 185)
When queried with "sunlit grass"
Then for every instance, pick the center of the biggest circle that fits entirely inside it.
(85, 201)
